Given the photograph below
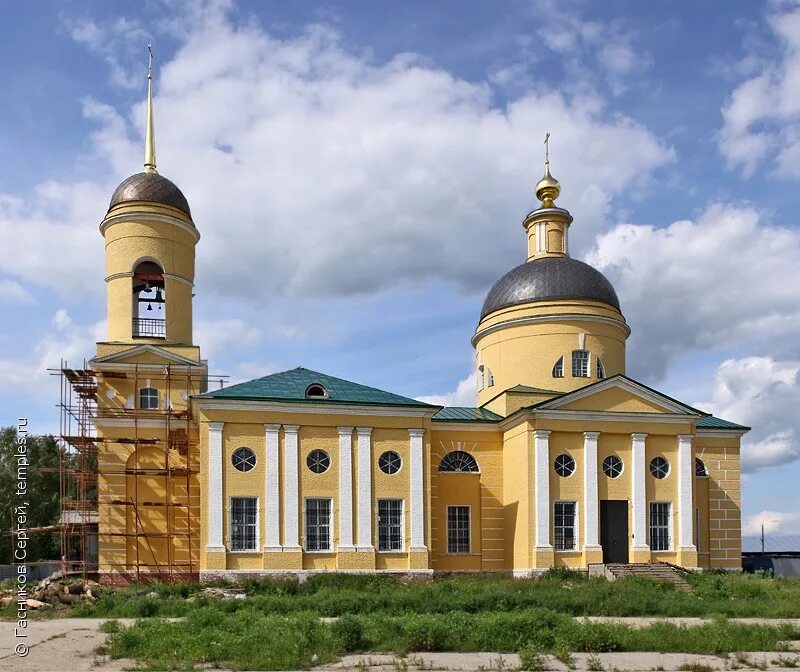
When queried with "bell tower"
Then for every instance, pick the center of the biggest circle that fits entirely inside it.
(150, 241)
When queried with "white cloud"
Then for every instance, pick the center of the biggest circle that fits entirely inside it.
(465, 394)
(761, 118)
(781, 522)
(215, 336)
(723, 280)
(764, 394)
(312, 171)
(12, 291)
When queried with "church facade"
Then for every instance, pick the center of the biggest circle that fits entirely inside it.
(564, 461)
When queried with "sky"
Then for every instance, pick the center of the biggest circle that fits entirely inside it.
(359, 172)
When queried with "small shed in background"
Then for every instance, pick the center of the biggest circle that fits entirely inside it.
(780, 555)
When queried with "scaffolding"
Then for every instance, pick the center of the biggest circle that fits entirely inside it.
(142, 513)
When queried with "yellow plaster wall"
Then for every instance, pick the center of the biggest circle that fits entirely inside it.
(614, 399)
(517, 502)
(524, 354)
(568, 488)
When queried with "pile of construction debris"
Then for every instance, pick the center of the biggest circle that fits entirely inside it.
(53, 591)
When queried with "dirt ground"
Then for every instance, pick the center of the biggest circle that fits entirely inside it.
(68, 645)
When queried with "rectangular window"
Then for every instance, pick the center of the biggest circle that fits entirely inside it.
(458, 532)
(148, 398)
(580, 363)
(244, 523)
(390, 525)
(660, 513)
(564, 531)
(318, 524)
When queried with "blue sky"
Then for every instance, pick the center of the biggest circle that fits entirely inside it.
(358, 173)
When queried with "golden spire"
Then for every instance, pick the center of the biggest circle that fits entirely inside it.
(149, 133)
(548, 188)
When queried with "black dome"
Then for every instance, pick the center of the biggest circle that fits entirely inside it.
(549, 279)
(150, 188)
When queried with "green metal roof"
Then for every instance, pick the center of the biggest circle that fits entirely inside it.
(465, 414)
(531, 390)
(292, 385)
(710, 422)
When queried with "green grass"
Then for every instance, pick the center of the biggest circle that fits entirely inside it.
(732, 595)
(247, 639)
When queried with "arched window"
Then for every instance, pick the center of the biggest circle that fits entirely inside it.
(148, 398)
(316, 391)
(458, 462)
(558, 368)
(601, 370)
(481, 383)
(580, 363)
(700, 468)
(489, 378)
(149, 301)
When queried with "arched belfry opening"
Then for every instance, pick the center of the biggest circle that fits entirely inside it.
(149, 301)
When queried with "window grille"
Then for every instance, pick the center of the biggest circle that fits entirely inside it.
(318, 524)
(148, 398)
(244, 522)
(659, 525)
(612, 466)
(659, 467)
(318, 461)
(564, 526)
(458, 461)
(458, 532)
(390, 462)
(580, 363)
(564, 465)
(700, 468)
(243, 459)
(390, 524)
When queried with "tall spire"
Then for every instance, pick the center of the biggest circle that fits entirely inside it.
(548, 188)
(149, 133)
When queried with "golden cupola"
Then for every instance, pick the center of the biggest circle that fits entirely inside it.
(554, 322)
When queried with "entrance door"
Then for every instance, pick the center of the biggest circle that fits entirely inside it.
(614, 530)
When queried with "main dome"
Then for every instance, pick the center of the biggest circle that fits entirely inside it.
(549, 279)
(150, 188)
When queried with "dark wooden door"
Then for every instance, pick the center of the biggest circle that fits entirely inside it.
(614, 530)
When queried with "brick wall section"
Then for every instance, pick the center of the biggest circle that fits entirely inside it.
(725, 505)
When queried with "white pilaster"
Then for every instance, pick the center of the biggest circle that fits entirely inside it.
(346, 489)
(417, 503)
(215, 503)
(590, 496)
(638, 493)
(291, 490)
(272, 493)
(364, 488)
(685, 472)
(541, 489)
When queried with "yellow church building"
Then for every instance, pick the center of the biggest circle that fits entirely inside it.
(564, 461)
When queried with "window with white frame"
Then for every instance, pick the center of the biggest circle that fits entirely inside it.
(489, 378)
(481, 383)
(244, 523)
(601, 370)
(458, 529)
(558, 368)
(580, 363)
(148, 398)
(318, 524)
(564, 530)
(660, 514)
(390, 524)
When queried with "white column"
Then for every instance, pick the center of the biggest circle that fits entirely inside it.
(364, 488)
(590, 496)
(638, 493)
(541, 489)
(291, 490)
(685, 473)
(272, 493)
(215, 503)
(346, 489)
(417, 503)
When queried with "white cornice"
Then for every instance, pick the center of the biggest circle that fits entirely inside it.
(595, 416)
(139, 217)
(169, 276)
(555, 317)
(464, 427)
(313, 409)
(112, 361)
(721, 433)
(622, 383)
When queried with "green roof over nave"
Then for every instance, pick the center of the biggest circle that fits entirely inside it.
(292, 385)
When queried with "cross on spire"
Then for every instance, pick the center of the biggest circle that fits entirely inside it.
(547, 148)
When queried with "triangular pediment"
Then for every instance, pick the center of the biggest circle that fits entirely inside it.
(618, 394)
(145, 354)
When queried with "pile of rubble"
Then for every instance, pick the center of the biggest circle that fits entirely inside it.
(53, 591)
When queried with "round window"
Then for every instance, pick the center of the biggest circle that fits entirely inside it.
(243, 459)
(565, 465)
(659, 467)
(318, 461)
(612, 466)
(390, 462)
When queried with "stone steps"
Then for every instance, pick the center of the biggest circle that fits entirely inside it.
(659, 571)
